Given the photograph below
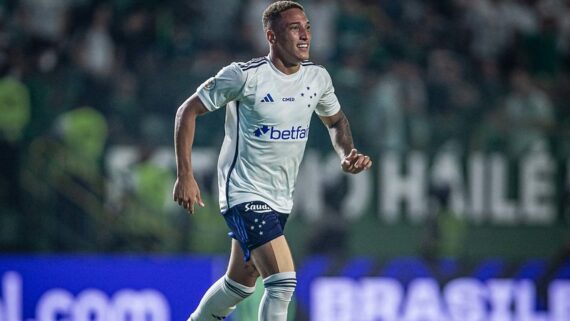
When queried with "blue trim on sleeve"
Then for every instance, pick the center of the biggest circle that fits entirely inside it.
(254, 65)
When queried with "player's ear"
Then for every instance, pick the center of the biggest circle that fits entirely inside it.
(270, 36)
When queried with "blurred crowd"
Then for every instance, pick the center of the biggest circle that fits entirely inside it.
(79, 76)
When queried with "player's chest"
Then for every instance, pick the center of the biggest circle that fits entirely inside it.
(274, 99)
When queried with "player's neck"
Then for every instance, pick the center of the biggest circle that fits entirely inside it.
(282, 65)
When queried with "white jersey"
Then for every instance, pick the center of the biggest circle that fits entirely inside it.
(267, 125)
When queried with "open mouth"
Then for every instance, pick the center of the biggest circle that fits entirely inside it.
(303, 46)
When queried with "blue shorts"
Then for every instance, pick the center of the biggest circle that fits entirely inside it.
(253, 224)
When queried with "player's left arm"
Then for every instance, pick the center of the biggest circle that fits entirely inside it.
(352, 161)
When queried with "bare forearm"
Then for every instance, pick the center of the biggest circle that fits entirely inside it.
(351, 160)
(184, 129)
(341, 135)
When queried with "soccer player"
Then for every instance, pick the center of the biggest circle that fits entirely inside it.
(269, 103)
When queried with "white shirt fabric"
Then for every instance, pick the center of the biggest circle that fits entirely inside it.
(266, 129)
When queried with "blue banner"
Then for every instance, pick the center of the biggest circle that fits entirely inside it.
(162, 288)
(103, 288)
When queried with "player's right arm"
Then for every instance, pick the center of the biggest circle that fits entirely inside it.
(186, 191)
(213, 94)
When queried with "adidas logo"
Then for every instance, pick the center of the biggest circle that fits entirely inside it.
(267, 99)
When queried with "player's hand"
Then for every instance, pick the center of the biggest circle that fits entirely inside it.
(187, 193)
(355, 162)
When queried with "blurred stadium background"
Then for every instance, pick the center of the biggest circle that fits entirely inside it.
(463, 104)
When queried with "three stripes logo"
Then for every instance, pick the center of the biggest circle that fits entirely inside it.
(267, 99)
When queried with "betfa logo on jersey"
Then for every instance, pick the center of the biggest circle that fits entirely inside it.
(294, 133)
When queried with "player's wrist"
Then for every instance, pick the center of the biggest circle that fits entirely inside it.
(184, 174)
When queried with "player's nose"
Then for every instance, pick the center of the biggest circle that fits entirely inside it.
(304, 34)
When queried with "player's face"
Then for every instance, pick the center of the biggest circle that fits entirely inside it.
(293, 36)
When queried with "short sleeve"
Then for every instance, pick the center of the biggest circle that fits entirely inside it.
(219, 90)
(328, 104)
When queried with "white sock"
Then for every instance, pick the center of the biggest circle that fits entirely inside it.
(279, 289)
(220, 300)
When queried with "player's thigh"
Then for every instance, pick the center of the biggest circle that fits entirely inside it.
(240, 271)
(273, 257)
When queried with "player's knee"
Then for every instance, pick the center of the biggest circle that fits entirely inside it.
(245, 274)
(251, 271)
(280, 286)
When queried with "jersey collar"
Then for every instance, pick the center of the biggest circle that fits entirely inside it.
(282, 74)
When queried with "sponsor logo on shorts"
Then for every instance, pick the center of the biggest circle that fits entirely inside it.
(257, 208)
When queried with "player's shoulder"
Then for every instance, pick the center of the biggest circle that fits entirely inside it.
(308, 63)
(252, 64)
(313, 67)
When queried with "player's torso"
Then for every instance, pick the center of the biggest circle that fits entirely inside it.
(273, 119)
(267, 126)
